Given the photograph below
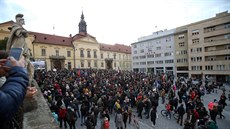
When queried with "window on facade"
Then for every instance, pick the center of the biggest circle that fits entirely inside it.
(158, 48)
(158, 55)
(134, 46)
(101, 55)
(43, 51)
(95, 54)
(199, 49)
(89, 63)
(196, 67)
(227, 36)
(82, 63)
(196, 50)
(102, 64)
(227, 57)
(211, 58)
(135, 57)
(142, 51)
(142, 63)
(181, 36)
(168, 61)
(168, 39)
(57, 52)
(168, 46)
(114, 56)
(181, 44)
(226, 26)
(134, 52)
(82, 53)
(168, 53)
(95, 63)
(182, 60)
(69, 65)
(68, 54)
(227, 46)
(220, 67)
(159, 62)
(199, 58)
(150, 62)
(208, 67)
(150, 56)
(195, 41)
(142, 57)
(88, 54)
(195, 32)
(115, 64)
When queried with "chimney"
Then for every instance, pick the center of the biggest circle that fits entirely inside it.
(70, 35)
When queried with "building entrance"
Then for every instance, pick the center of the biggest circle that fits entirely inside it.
(108, 63)
(57, 62)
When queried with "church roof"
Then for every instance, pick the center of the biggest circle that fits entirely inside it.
(116, 48)
(52, 39)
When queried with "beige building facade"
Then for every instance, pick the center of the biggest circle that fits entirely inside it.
(79, 51)
(209, 48)
(181, 51)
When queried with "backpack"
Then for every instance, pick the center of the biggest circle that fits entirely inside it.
(106, 124)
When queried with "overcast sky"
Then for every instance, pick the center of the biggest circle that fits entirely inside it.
(110, 21)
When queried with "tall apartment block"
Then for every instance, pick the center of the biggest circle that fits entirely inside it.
(209, 48)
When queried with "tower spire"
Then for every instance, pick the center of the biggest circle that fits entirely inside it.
(82, 24)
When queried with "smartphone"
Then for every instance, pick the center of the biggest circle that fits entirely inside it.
(16, 53)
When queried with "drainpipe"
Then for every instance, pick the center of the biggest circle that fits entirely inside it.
(74, 56)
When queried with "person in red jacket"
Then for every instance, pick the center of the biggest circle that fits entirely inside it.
(62, 115)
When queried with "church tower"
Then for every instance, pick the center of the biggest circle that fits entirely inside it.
(82, 24)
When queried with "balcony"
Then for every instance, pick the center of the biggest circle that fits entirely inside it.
(57, 57)
(219, 52)
(216, 32)
(217, 42)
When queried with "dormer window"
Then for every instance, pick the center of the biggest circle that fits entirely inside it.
(45, 38)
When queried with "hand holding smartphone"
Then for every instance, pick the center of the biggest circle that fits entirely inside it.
(16, 53)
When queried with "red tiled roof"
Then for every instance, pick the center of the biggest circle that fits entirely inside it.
(8, 22)
(116, 48)
(52, 39)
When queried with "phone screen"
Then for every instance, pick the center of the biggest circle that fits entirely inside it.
(16, 53)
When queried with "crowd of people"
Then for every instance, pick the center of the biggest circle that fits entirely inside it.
(91, 94)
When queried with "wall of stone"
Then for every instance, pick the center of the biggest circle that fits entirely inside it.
(37, 113)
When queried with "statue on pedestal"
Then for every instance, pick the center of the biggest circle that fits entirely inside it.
(17, 39)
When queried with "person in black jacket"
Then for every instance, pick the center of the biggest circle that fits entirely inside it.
(153, 115)
(12, 92)
(181, 112)
(140, 106)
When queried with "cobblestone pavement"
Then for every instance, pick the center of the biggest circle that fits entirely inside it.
(163, 123)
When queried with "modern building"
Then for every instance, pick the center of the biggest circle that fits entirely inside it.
(209, 48)
(154, 53)
(197, 50)
(79, 51)
(181, 51)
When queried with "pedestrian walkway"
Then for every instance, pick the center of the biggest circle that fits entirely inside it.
(163, 123)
